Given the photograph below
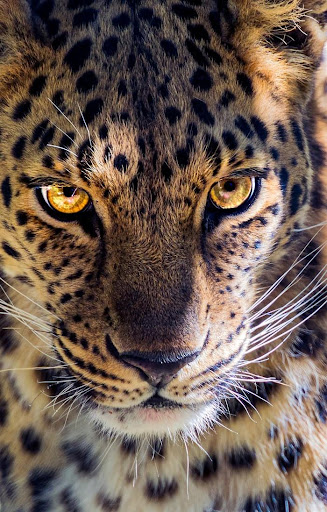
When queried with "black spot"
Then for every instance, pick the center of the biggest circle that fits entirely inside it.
(321, 404)
(321, 487)
(274, 153)
(307, 344)
(6, 462)
(39, 480)
(121, 163)
(129, 446)
(6, 191)
(192, 130)
(69, 501)
(65, 142)
(82, 455)
(201, 80)
(204, 469)
(44, 9)
(66, 297)
(84, 151)
(296, 193)
(184, 12)
(160, 489)
(110, 46)
(166, 172)
(42, 247)
(108, 503)
(29, 235)
(260, 391)
(4, 411)
(38, 85)
(213, 151)
(87, 82)
(229, 140)
(58, 98)
(297, 134)
(30, 440)
(215, 21)
(242, 458)
(249, 151)
(146, 14)
(76, 57)
(47, 137)
(283, 179)
(157, 449)
(78, 4)
(196, 53)
(169, 48)
(121, 21)
(213, 55)
(47, 161)
(260, 128)
(11, 251)
(289, 456)
(60, 41)
(201, 110)
(18, 148)
(22, 110)
(173, 114)
(245, 83)
(53, 26)
(163, 91)
(277, 500)
(122, 88)
(183, 157)
(244, 127)
(281, 132)
(131, 61)
(111, 347)
(198, 32)
(103, 132)
(227, 98)
(92, 110)
(85, 17)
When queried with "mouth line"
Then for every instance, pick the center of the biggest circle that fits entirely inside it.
(158, 402)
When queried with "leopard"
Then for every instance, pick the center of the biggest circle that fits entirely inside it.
(163, 258)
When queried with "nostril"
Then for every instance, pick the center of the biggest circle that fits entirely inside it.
(159, 368)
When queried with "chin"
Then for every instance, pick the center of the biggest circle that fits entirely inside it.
(153, 419)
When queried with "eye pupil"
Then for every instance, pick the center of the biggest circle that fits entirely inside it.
(68, 191)
(229, 186)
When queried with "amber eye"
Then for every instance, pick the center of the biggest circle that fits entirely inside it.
(230, 193)
(65, 200)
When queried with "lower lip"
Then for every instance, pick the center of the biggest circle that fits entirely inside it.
(156, 415)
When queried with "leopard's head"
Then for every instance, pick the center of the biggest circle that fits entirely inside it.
(154, 166)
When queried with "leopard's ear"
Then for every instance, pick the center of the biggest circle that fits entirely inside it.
(288, 24)
(283, 39)
(19, 50)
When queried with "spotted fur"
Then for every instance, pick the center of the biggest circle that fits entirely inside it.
(146, 105)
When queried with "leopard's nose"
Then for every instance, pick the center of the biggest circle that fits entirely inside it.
(158, 368)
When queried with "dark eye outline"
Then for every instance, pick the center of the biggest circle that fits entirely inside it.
(213, 214)
(41, 196)
(256, 185)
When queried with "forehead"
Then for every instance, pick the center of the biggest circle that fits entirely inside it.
(151, 81)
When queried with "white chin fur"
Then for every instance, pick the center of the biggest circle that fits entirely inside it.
(139, 422)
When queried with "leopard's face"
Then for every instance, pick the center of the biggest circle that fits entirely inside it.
(150, 286)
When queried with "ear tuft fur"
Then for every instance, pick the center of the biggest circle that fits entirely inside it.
(285, 37)
(19, 51)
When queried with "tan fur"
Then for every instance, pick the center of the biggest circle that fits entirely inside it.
(145, 272)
